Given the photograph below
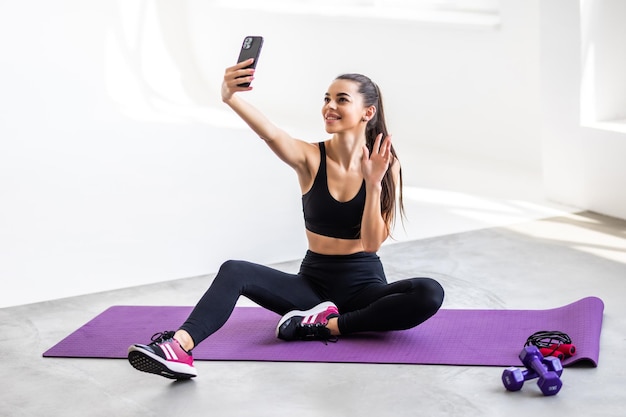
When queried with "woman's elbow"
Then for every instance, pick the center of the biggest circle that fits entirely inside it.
(371, 249)
(373, 242)
(371, 246)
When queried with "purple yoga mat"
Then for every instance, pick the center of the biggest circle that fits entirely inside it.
(451, 337)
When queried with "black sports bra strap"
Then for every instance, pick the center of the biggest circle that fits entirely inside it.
(321, 171)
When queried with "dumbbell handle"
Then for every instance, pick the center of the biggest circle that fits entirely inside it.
(549, 381)
(532, 359)
(513, 378)
(548, 365)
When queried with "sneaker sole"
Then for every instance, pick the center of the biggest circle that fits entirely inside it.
(319, 308)
(147, 362)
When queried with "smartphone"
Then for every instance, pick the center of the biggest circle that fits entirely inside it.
(250, 48)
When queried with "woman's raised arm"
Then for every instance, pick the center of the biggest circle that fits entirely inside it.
(292, 151)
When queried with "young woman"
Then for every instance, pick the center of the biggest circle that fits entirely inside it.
(349, 185)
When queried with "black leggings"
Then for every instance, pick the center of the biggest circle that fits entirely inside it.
(355, 283)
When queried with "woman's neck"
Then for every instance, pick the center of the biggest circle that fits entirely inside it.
(346, 149)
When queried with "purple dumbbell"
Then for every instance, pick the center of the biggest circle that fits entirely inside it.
(514, 378)
(549, 381)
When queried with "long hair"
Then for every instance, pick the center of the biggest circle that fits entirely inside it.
(372, 97)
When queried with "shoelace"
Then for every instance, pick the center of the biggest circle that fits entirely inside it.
(317, 331)
(161, 337)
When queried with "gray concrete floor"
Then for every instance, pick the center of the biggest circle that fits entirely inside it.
(531, 265)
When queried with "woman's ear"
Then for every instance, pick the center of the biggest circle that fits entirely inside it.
(370, 112)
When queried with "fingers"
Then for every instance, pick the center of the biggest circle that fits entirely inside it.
(240, 65)
(387, 145)
(366, 152)
(235, 75)
(375, 164)
(376, 148)
(383, 150)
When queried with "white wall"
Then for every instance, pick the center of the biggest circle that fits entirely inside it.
(583, 131)
(119, 166)
(473, 90)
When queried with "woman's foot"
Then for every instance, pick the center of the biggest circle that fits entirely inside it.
(163, 356)
(308, 325)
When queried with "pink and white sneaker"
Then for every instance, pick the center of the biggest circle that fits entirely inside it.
(309, 324)
(164, 356)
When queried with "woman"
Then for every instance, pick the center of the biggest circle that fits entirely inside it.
(349, 185)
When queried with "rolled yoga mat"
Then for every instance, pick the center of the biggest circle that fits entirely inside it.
(451, 337)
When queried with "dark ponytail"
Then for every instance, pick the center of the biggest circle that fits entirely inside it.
(373, 97)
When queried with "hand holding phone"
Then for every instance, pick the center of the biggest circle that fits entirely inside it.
(250, 48)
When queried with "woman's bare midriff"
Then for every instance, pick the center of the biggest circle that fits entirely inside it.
(325, 245)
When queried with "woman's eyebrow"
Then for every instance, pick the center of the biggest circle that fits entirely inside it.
(338, 95)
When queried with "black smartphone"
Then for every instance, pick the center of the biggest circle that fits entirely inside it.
(250, 48)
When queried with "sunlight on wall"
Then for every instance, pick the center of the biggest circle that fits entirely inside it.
(483, 211)
(602, 86)
(588, 114)
(143, 74)
(471, 13)
(578, 231)
(582, 233)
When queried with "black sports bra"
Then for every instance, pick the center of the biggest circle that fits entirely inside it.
(326, 216)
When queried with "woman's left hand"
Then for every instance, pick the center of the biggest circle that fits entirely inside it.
(375, 166)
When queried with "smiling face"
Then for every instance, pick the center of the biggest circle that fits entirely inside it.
(343, 108)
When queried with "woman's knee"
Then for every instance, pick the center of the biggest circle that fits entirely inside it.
(231, 266)
(437, 291)
(237, 267)
(431, 294)
(232, 270)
